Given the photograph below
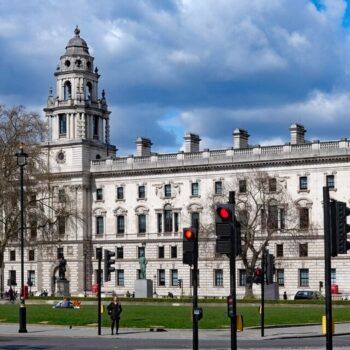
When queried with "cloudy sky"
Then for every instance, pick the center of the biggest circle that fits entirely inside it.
(201, 66)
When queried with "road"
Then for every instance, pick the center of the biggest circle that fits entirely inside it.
(43, 337)
(104, 343)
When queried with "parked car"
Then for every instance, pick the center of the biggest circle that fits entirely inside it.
(307, 295)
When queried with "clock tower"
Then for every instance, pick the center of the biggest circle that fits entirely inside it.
(78, 118)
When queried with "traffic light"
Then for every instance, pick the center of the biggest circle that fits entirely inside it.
(342, 228)
(224, 225)
(258, 276)
(270, 267)
(339, 227)
(230, 305)
(189, 245)
(108, 262)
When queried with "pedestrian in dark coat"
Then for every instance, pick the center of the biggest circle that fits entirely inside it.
(114, 311)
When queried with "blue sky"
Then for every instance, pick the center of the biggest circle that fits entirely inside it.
(201, 66)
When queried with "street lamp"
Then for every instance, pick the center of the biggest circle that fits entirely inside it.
(22, 162)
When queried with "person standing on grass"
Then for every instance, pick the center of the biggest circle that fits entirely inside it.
(114, 311)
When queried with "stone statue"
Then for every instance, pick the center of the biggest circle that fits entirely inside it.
(143, 262)
(62, 268)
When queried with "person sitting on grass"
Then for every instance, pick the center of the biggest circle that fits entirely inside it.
(64, 304)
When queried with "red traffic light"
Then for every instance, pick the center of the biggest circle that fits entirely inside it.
(224, 213)
(258, 272)
(189, 234)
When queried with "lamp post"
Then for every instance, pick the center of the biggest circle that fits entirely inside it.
(22, 162)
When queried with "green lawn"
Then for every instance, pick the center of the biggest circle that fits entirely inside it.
(144, 316)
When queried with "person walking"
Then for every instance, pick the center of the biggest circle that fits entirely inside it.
(114, 311)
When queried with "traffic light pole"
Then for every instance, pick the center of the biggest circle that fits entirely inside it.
(327, 254)
(99, 269)
(195, 289)
(262, 315)
(233, 283)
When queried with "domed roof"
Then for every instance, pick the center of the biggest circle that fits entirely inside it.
(77, 45)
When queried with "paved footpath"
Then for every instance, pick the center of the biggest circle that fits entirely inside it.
(247, 334)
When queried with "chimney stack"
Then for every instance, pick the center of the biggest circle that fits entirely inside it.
(143, 147)
(191, 142)
(240, 138)
(297, 133)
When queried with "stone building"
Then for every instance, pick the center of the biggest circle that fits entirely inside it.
(140, 203)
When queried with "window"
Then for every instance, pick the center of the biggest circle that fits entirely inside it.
(142, 223)
(304, 218)
(142, 192)
(218, 278)
(120, 224)
(280, 277)
(333, 276)
(304, 277)
(89, 91)
(31, 278)
(167, 191)
(272, 185)
(120, 253)
(263, 219)
(161, 277)
(168, 221)
(95, 122)
(120, 193)
(67, 90)
(303, 249)
(62, 120)
(33, 229)
(61, 195)
(12, 255)
(99, 225)
(218, 187)
(141, 252)
(303, 183)
(279, 250)
(99, 194)
(330, 181)
(61, 221)
(32, 200)
(101, 276)
(191, 279)
(273, 217)
(159, 222)
(160, 252)
(173, 252)
(174, 282)
(120, 278)
(195, 220)
(176, 222)
(242, 186)
(194, 189)
(12, 278)
(31, 255)
(242, 277)
(282, 218)
(59, 252)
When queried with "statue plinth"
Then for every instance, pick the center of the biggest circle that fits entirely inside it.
(143, 288)
(62, 288)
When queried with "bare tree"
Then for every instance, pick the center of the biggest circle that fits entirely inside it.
(266, 211)
(47, 210)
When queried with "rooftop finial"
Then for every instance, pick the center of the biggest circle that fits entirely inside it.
(77, 31)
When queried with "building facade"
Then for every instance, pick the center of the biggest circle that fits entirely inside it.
(139, 204)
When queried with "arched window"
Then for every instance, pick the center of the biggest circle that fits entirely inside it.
(67, 90)
(88, 91)
(62, 120)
